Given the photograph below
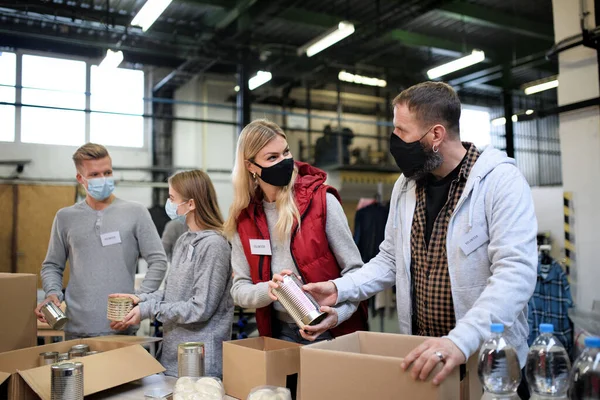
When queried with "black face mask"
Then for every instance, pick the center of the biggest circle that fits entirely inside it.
(279, 174)
(410, 157)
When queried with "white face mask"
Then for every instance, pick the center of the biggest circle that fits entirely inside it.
(171, 210)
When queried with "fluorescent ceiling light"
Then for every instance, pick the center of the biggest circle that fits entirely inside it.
(499, 121)
(475, 57)
(541, 87)
(112, 59)
(329, 38)
(528, 112)
(260, 78)
(237, 88)
(515, 118)
(361, 80)
(150, 13)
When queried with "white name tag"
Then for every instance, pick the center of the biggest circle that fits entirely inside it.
(260, 247)
(473, 240)
(190, 252)
(110, 238)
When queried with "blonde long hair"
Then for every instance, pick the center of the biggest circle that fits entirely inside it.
(253, 138)
(196, 184)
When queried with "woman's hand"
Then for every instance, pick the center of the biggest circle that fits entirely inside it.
(274, 283)
(133, 318)
(313, 332)
(133, 297)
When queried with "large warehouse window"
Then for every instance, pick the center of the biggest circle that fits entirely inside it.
(475, 126)
(8, 75)
(53, 82)
(116, 90)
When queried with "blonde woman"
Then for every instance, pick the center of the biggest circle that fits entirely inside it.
(285, 220)
(196, 305)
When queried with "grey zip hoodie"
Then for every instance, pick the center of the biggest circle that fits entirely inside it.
(492, 279)
(196, 305)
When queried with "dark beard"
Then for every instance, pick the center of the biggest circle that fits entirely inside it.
(432, 162)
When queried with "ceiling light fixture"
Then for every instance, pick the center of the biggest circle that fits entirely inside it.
(361, 80)
(329, 38)
(475, 57)
(149, 13)
(533, 87)
(259, 79)
(112, 59)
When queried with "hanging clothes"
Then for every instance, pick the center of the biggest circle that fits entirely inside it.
(550, 303)
(369, 229)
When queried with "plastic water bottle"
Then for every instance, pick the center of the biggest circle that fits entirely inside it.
(585, 376)
(548, 365)
(498, 369)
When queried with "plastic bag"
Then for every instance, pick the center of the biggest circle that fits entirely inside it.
(270, 393)
(205, 388)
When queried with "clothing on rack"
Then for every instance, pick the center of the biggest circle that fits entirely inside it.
(550, 302)
(369, 229)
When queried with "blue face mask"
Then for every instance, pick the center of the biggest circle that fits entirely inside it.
(171, 209)
(101, 188)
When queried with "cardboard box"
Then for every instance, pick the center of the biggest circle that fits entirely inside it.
(119, 362)
(249, 363)
(366, 365)
(18, 295)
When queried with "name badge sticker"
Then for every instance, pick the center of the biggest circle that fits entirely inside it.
(260, 247)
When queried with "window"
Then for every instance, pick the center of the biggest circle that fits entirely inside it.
(53, 82)
(475, 126)
(8, 74)
(121, 91)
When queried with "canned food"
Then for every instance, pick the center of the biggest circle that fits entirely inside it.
(54, 315)
(301, 306)
(79, 350)
(63, 357)
(67, 381)
(49, 357)
(190, 359)
(118, 308)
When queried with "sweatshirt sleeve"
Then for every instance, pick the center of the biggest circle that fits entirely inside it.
(211, 277)
(343, 247)
(54, 264)
(245, 293)
(151, 249)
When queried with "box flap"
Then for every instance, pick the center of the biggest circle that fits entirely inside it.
(244, 366)
(4, 376)
(19, 292)
(271, 344)
(128, 339)
(101, 371)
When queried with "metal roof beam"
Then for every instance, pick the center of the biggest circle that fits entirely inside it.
(484, 16)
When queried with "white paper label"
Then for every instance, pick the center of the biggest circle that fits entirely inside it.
(110, 238)
(260, 247)
(473, 240)
(190, 252)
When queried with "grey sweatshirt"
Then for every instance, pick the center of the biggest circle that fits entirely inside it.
(97, 270)
(196, 305)
(246, 294)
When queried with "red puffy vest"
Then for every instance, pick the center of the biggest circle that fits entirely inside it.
(309, 246)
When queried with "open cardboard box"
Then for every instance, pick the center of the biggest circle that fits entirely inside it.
(18, 294)
(366, 365)
(249, 363)
(119, 362)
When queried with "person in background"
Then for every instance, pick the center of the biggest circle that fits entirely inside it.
(102, 238)
(196, 305)
(285, 220)
(173, 230)
(460, 239)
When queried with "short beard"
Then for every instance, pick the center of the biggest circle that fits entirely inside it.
(433, 161)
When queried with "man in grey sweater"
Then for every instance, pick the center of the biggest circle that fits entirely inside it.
(102, 238)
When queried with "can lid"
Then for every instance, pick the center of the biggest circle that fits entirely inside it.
(497, 328)
(592, 341)
(48, 354)
(546, 328)
(67, 368)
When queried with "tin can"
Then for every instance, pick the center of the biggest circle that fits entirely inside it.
(79, 350)
(300, 305)
(49, 357)
(67, 381)
(55, 317)
(118, 308)
(91, 353)
(63, 357)
(190, 359)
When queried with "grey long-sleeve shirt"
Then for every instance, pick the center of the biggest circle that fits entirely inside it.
(247, 294)
(102, 248)
(196, 305)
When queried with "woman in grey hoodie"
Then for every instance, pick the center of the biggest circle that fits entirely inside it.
(196, 305)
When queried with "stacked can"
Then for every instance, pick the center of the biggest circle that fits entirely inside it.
(190, 359)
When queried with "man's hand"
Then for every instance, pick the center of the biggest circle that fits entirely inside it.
(426, 356)
(325, 293)
(313, 332)
(133, 318)
(38, 310)
(133, 297)
(274, 283)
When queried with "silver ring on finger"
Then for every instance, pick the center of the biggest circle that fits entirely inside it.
(440, 356)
